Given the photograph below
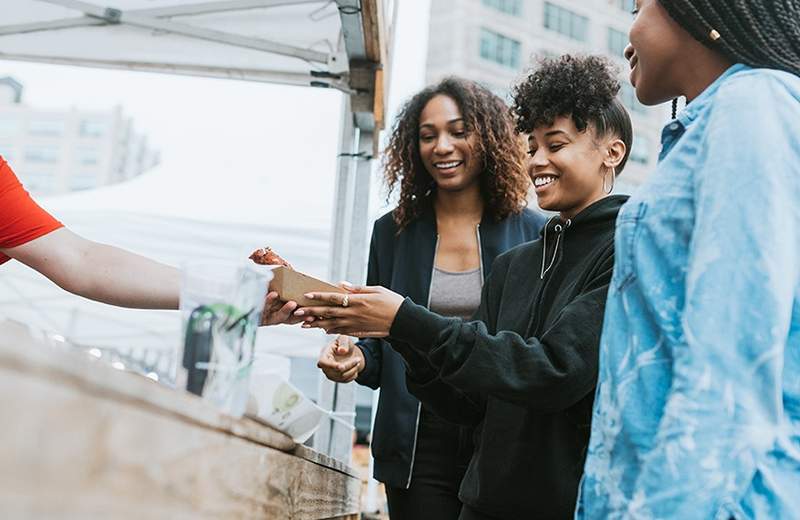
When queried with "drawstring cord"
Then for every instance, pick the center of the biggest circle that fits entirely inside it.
(558, 228)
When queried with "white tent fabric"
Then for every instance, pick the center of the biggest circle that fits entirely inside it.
(280, 41)
(327, 43)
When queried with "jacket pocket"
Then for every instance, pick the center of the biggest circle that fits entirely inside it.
(628, 228)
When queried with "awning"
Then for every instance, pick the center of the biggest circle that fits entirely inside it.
(337, 44)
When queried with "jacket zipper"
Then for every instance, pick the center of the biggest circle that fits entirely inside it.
(419, 405)
(428, 305)
(480, 253)
(534, 323)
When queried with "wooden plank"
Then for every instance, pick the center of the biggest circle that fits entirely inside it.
(73, 449)
(23, 353)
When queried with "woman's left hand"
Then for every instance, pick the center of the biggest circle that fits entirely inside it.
(363, 312)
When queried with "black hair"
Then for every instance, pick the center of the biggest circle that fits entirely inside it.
(581, 87)
(759, 33)
(504, 182)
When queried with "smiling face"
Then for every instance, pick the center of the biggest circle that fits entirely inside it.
(657, 53)
(567, 166)
(446, 146)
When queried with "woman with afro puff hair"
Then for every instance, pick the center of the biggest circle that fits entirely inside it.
(522, 371)
(459, 167)
(697, 413)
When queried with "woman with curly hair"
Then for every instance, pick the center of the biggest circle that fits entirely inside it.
(459, 166)
(698, 404)
(523, 370)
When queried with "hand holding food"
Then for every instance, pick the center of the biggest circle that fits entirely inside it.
(364, 312)
(275, 311)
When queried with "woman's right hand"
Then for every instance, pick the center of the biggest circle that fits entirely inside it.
(341, 360)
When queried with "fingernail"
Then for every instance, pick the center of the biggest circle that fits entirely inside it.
(299, 312)
(310, 296)
(347, 284)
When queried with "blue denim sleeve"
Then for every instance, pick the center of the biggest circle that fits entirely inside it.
(724, 406)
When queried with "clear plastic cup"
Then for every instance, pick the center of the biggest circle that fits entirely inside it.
(221, 305)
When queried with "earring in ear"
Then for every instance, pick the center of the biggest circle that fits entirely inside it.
(609, 189)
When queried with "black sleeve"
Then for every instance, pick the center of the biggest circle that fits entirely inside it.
(423, 379)
(549, 374)
(371, 347)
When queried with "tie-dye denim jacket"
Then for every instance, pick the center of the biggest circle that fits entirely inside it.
(697, 411)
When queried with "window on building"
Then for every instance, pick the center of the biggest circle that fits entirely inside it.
(566, 22)
(628, 96)
(9, 127)
(83, 181)
(46, 127)
(513, 7)
(617, 40)
(93, 128)
(87, 156)
(640, 150)
(627, 5)
(41, 154)
(499, 49)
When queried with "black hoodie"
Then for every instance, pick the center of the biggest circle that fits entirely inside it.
(524, 371)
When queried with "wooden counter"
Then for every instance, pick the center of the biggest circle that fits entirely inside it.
(83, 440)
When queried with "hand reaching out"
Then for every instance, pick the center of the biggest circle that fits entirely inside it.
(276, 312)
(341, 360)
(364, 312)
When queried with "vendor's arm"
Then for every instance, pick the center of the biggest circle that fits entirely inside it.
(100, 272)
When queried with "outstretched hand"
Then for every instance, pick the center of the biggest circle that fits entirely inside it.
(277, 312)
(341, 360)
(363, 312)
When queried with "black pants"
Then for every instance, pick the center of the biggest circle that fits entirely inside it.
(468, 513)
(439, 466)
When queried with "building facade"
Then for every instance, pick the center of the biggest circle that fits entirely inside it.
(57, 151)
(495, 41)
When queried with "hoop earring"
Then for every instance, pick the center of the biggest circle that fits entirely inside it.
(609, 189)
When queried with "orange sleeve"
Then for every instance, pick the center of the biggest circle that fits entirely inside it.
(21, 219)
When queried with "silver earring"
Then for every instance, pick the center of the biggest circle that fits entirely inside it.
(609, 189)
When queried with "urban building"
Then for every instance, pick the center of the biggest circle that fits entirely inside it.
(57, 151)
(495, 41)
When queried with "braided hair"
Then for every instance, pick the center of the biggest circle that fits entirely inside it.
(758, 33)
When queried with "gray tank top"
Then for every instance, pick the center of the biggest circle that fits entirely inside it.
(455, 294)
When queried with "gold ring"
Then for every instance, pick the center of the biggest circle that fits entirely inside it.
(345, 301)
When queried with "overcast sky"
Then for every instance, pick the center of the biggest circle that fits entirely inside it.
(273, 145)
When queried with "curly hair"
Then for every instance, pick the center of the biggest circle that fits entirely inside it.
(581, 87)
(503, 181)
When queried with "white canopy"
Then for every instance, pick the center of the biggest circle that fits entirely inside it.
(323, 43)
(337, 44)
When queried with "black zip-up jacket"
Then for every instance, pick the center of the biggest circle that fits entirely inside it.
(404, 263)
(524, 371)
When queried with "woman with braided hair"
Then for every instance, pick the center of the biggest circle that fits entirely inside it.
(697, 411)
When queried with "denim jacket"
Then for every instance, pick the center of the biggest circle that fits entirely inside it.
(697, 410)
